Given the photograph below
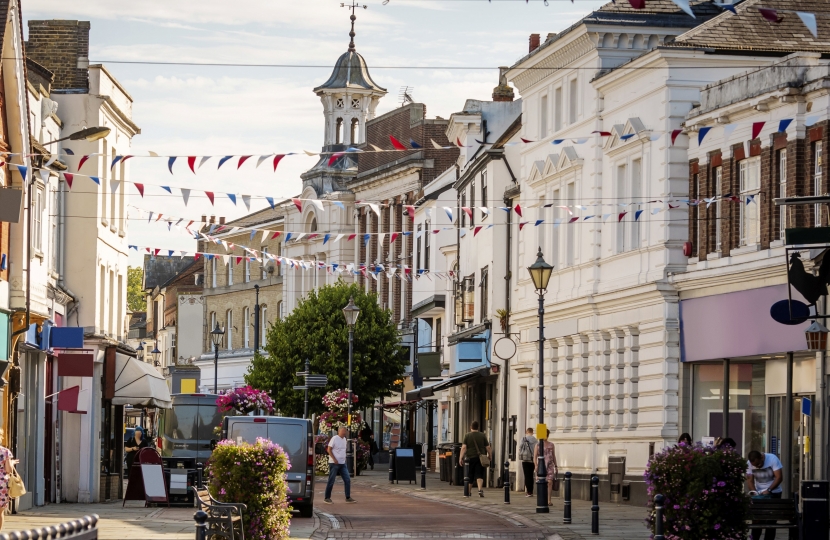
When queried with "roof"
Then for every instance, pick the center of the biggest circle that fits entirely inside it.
(749, 31)
(160, 270)
(699, 7)
(351, 72)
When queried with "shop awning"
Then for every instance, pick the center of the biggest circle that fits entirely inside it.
(139, 384)
(459, 378)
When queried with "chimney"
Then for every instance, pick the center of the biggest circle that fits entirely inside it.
(503, 92)
(62, 47)
(222, 220)
(534, 42)
(204, 218)
(551, 35)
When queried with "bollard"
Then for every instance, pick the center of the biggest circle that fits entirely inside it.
(201, 525)
(658, 517)
(466, 477)
(423, 471)
(506, 482)
(199, 475)
(595, 504)
(392, 467)
(567, 505)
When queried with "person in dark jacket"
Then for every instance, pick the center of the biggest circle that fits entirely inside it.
(367, 436)
(134, 445)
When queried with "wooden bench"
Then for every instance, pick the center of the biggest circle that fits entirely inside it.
(779, 513)
(224, 519)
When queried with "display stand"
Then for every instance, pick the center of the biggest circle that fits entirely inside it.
(146, 481)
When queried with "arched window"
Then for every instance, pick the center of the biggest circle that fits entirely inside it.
(229, 330)
(313, 226)
(339, 131)
(246, 324)
(355, 130)
(263, 323)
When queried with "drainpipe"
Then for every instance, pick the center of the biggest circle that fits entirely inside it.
(506, 375)
(76, 304)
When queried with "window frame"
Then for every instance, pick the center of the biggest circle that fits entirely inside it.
(718, 177)
(427, 244)
(782, 192)
(744, 190)
(483, 194)
(818, 154)
(483, 286)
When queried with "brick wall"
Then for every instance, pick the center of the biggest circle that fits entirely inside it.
(57, 45)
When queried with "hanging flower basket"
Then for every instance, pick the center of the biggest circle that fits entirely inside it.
(245, 400)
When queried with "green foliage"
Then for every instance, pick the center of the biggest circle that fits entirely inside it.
(253, 474)
(317, 330)
(704, 491)
(136, 299)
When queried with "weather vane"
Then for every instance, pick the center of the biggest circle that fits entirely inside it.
(353, 6)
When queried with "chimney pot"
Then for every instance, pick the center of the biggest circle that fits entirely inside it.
(222, 220)
(534, 42)
(503, 92)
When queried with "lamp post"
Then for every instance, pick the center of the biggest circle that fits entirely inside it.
(540, 272)
(139, 351)
(351, 312)
(156, 352)
(216, 336)
(256, 320)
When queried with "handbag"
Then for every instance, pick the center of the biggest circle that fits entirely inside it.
(16, 487)
(555, 483)
(483, 458)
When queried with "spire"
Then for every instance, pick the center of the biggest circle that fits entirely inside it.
(353, 6)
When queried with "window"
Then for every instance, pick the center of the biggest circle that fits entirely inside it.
(355, 103)
(570, 247)
(418, 247)
(103, 185)
(263, 267)
(750, 179)
(230, 270)
(438, 337)
(210, 329)
(483, 193)
(339, 131)
(557, 109)
(543, 117)
(246, 268)
(484, 292)
(462, 215)
(636, 195)
(718, 204)
(817, 155)
(426, 246)
(53, 233)
(472, 203)
(622, 243)
(113, 189)
(355, 130)
(37, 222)
(574, 103)
(782, 192)
(246, 324)
(213, 274)
(279, 254)
(280, 313)
(340, 103)
(263, 323)
(556, 231)
(469, 295)
(229, 330)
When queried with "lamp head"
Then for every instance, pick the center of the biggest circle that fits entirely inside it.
(216, 335)
(540, 272)
(351, 312)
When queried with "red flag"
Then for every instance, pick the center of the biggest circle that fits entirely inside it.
(573, 219)
(622, 215)
(68, 177)
(191, 161)
(196, 256)
(188, 225)
(242, 160)
(334, 157)
(756, 129)
(518, 210)
(771, 15)
(436, 231)
(140, 188)
(675, 132)
(68, 400)
(351, 237)
(83, 160)
(238, 260)
(525, 140)
(158, 218)
(458, 143)
(313, 236)
(475, 231)
(157, 251)
(209, 196)
(468, 211)
(411, 211)
(125, 158)
(277, 160)
(602, 133)
(276, 234)
(393, 238)
(522, 224)
(637, 4)
(299, 204)
(397, 144)
(671, 207)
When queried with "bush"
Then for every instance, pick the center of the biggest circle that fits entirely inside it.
(253, 474)
(704, 491)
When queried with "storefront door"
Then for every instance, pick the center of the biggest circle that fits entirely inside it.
(802, 466)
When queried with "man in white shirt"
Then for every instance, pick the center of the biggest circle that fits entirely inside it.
(337, 465)
(764, 475)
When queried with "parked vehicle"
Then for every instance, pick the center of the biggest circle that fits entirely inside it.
(186, 429)
(294, 435)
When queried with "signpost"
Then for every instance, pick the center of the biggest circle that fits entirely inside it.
(311, 381)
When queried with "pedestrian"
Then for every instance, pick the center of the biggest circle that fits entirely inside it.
(764, 475)
(7, 464)
(368, 437)
(133, 446)
(474, 442)
(337, 465)
(686, 439)
(526, 447)
(550, 465)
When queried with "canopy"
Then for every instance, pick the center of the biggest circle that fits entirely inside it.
(458, 378)
(138, 383)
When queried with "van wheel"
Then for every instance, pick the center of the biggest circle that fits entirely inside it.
(306, 511)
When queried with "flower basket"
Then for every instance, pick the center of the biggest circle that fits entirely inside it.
(253, 474)
(245, 400)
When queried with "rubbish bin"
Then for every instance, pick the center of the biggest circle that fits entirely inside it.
(404, 464)
(814, 508)
(445, 462)
(457, 478)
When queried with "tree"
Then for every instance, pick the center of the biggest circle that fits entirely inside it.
(317, 330)
(136, 299)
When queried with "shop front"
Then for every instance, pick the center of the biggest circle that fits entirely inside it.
(752, 379)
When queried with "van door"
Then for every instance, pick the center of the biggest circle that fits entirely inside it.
(292, 437)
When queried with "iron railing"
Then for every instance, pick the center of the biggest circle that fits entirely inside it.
(85, 528)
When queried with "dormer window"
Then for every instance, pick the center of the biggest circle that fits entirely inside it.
(340, 103)
(355, 103)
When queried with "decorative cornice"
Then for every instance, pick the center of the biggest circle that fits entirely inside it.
(553, 62)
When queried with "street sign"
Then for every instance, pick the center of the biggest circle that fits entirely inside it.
(301, 388)
(806, 406)
(316, 381)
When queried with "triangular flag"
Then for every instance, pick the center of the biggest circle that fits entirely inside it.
(458, 143)
(247, 200)
(413, 144)
(684, 5)
(68, 177)
(392, 238)
(167, 189)
(727, 131)
(222, 162)
(271, 202)
(756, 129)
(277, 160)
(410, 209)
(637, 214)
(203, 160)
(339, 236)
(621, 215)
(232, 197)
(299, 204)
(522, 225)
(701, 134)
(476, 231)
(191, 162)
(23, 170)
(351, 237)
(261, 159)
(526, 141)
(436, 145)
(209, 196)
(484, 210)
(170, 163)
(366, 238)
(637, 4)
(448, 210)
(468, 211)
(728, 6)
(784, 124)
(518, 210)
(185, 195)
(94, 179)
(115, 160)
(85, 158)
(770, 14)
(539, 222)
(573, 219)
(242, 160)
(674, 132)
(114, 184)
(809, 20)
(326, 238)
(396, 143)
(375, 208)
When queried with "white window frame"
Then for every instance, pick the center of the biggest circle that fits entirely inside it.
(573, 101)
(213, 276)
(543, 116)
(718, 173)
(782, 192)
(246, 268)
(230, 271)
(263, 323)
(557, 109)
(246, 334)
(818, 153)
(749, 173)
(263, 267)
(229, 330)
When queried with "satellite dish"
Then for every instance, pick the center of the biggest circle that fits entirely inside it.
(780, 312)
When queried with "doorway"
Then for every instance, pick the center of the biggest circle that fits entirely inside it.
(802, 464)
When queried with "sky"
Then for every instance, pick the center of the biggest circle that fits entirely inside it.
(223, 110)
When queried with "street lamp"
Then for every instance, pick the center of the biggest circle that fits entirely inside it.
(139, 351)
(156, 352)
(351, 312)
(87, 134)
(540, 272)
(216, 336)
(816, 336)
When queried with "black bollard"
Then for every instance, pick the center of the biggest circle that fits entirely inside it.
(567, 517)
(423, 472)
(201, 525)
(506, 482)
(658, 517)
(200, 476)
(392, 467)
(595, 504)
(466, 477)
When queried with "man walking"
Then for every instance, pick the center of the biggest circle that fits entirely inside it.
(476, 447)
(763, 478)
(526, 455)
(337, 465)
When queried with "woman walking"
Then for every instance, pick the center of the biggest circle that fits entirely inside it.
(6, 467)
(526, 448)
(550, 464)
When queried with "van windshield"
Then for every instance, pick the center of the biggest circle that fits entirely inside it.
(180, 422)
